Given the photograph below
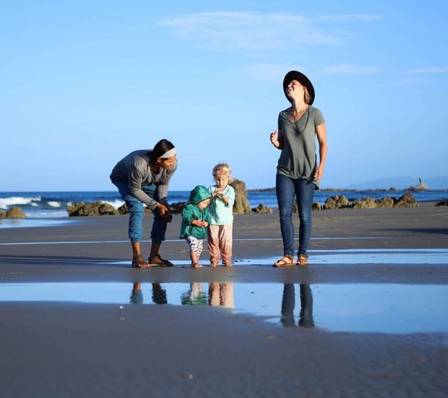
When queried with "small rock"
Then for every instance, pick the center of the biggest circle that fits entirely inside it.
(262, 209)
(406, 200)
(386, 202)
(15, 212)
(365, 203)
(316, 206)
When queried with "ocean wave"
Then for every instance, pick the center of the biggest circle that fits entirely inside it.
(115, 203)
(17, 201)
(53, 203)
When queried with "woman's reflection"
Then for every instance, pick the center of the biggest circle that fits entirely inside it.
(306, 306)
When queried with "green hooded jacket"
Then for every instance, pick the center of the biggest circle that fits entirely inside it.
(193, 212)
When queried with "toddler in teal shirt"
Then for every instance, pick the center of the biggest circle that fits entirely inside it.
(220, 230)
(195, 220)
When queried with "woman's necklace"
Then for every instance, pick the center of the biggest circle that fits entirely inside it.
(296, 115)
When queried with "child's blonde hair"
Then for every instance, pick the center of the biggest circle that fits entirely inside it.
(222, 167)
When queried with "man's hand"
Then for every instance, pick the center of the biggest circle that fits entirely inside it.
(164, 212)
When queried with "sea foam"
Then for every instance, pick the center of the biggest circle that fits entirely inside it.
(115, 203)
(17, 200)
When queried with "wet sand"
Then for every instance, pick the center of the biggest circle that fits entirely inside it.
(95, 350)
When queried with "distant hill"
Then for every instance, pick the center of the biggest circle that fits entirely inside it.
(402, 182)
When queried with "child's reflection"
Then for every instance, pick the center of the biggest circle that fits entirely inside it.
(195, 295)
(158, 294)
(306, 306)
(219, 294)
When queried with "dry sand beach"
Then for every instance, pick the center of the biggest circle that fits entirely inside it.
(375, 323)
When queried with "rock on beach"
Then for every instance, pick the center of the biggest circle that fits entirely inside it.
(13, 212)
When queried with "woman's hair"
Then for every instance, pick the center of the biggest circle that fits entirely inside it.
(307, 96)
(160, 148)
(222, 167)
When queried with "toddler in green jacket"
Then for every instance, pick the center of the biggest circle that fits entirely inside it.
(195, 220)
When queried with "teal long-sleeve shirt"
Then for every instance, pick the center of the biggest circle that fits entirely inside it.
(193, 212)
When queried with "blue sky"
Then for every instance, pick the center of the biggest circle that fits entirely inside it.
(83, 83)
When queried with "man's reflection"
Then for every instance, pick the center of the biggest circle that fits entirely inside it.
(306, 306)
(158, 294)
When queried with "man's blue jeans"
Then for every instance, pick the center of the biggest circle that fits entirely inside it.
(303, 190)
(136, 214)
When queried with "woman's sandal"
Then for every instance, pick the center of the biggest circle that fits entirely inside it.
(139, 262)
(284, 262)
(159, 261)
(302, 260)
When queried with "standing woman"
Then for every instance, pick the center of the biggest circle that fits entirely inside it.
(142, 177)
(298, 172)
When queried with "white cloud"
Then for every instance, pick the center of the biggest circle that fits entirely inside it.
(429, 69)
(255, 30)
(349, 69)
(351, 17)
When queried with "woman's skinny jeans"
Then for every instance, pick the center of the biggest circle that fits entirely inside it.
(303, 190)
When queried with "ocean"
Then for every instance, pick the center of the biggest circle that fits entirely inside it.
(53, 204)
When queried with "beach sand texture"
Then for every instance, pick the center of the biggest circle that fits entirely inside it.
(69, 349)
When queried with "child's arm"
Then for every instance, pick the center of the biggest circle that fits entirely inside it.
(188, 217)
(229, 200)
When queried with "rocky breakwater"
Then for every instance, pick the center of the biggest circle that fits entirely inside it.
(13, 212)
(341, 202)
(82, 209)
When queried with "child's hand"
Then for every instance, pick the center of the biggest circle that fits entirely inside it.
(199, 223)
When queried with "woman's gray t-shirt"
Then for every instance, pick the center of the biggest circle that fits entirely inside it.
(298, 143)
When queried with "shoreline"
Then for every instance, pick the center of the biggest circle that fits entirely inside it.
(97, 248)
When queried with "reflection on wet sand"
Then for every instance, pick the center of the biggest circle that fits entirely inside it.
(306, 306)
(158, 294)
(194, 296)
(219, 295)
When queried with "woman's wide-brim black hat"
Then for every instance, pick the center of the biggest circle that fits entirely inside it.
(302, 79)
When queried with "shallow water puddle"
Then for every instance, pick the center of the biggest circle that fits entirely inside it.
(347, 256)
(383, 308)
(33, 222)
(366, 256)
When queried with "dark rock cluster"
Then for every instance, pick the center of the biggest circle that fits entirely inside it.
(13, 212)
